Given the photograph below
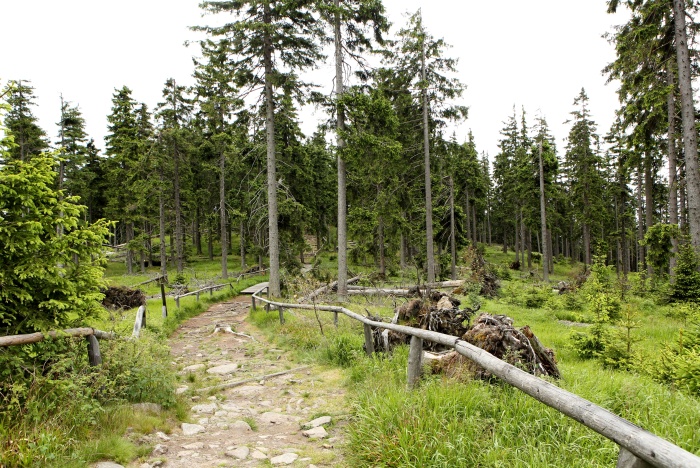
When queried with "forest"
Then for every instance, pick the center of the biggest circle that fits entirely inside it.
(382, 185)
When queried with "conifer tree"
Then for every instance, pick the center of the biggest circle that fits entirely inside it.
(30, 139)
(270, 40)
(420, 60)
(350, 21)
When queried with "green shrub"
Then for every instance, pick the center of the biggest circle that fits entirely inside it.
(344, 349)
(679, 365)
(686, 286)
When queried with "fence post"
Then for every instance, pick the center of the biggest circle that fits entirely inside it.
(415, 361)
(143, 319)
(162, 295)
(177, 301)
(369, 342)
(93, 349)
(281, 309)
(197, 296)
(335, 319)
(252, 298)
(211, 291)
(627, 459)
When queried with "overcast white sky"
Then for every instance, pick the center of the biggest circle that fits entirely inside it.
(537, 54)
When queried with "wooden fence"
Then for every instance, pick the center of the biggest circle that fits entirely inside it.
(216, 286)
(638, 448)
(91, 335)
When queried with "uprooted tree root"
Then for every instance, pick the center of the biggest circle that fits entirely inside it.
(496, 334)
(122, 297)
(493, 333)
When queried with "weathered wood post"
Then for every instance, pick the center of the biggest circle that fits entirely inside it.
(143, 317)
(252, 299)
(627, 459)
(281, 309)
(162, 295)
(177, 301)
(415, 361)
(93, 349)
(211, 291)
(197, 296)
(335, 319)
(369, 342)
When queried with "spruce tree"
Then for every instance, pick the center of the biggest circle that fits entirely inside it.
(29, 138)
(270, 40)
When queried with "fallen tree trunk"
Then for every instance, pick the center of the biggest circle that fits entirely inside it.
(324, 289)
(13, 340)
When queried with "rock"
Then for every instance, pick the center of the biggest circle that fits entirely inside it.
(181, 390)
(185, 453)
(207, 408)
(108, 464)
(285, 459)
(240, 426)
(194, 446)
(272, 417)
(223, 370)
(323, 420)
(258, 455)
(192, 429)
(316, 433)
(162, 436)
(194, 368)
(240, 453)
(159, 449)
(212, 398)
(203, 421)
(153, 407)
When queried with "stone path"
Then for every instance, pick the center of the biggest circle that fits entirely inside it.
(292, 419)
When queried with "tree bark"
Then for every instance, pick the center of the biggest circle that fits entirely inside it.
(640, 221)
(672, 169)
(342, 191)
(649, 200)
(222, 215)
(273, 228)
(690, 142)
(543, 221)
(241, 237)
(430, 255)
(453, 243)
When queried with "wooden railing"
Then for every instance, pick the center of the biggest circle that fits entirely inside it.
(217, 286)
(90, 334)
(638, 447)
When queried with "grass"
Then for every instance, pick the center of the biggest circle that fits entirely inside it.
(490, 424)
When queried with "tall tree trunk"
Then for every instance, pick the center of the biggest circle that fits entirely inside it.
(161, 229)
(210, 240)
(672, 170)
(271, 164)
(198, 231)
(640, 221)
(241, 236)
(222, 215)
(129, 251)
(523, 244)
(474, 223)
(178, 212)
(690, 142)
(543, 220)
(649, 200)
(467, 213)
(402, 253)
(453, 243)
(342, 192)
(430, 255)
(382, 253)
(516, 243)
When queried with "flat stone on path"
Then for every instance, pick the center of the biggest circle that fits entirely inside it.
(108, 464)
(240, 426)
(192, 429)
(258, 455)
(240, 453)
(316, 433)
(322, 421)
(276, 418)
(286, 459)
(194, 367)
(207, 409)
(223, 370)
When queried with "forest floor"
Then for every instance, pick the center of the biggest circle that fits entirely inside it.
(261, 422)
